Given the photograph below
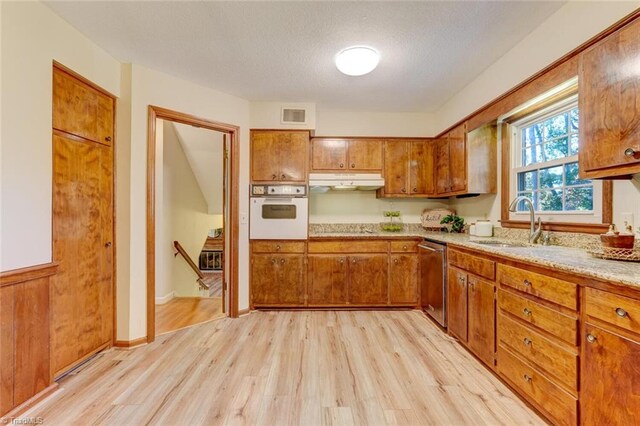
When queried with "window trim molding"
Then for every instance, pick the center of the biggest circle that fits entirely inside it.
(505, 187)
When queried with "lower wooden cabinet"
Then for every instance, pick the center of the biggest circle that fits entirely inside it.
(403, 279)
(327, 279)
(368, 279)
(278, 279)
(457, 303)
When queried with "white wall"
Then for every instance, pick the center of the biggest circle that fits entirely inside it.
(151, 87)
(570, 26)
(360, 123)
(32, 38)
(266, 115)
(182, 216)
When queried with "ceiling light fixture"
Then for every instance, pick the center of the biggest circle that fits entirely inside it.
(357, 60)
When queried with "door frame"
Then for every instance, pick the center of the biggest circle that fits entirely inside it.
(232, 222)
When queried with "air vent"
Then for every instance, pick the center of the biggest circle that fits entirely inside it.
(293, 116)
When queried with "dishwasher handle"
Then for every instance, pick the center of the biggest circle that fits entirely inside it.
(431, 248)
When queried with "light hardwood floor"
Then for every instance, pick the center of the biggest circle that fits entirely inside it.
(181, 312)
(300, 368)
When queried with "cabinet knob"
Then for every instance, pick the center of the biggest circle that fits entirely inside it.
(415, 189)
(273, 261)
(108, 139)
(277, 247)
(282, 261)
(527, 378)
(404, 247)
(527, 312)
(591, 338)
(630, 152)
(461, 279)
(341, 261)
(353, 165)
(527, 283)
(395, 260)
(353, 261)
(283, 176)
(621, 312)
(274, 176)
(107, 244)
(403, 190)
(341, 165)
(527, 341)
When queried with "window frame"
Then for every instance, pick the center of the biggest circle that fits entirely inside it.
(517, 148)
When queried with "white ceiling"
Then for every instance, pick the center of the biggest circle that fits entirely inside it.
(283, 51)
(204, 150)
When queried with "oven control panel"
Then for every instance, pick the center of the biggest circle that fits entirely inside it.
(278, 190)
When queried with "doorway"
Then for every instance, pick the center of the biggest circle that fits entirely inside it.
(205, 244)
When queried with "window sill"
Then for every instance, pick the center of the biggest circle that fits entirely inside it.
(586, 228)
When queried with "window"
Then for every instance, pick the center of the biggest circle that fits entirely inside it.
(545, 166)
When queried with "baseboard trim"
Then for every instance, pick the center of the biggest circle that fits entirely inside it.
(166, 298)
(242, 312)
(28, 404)
(128, 344)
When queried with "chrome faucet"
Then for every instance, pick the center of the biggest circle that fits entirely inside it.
(534, 233)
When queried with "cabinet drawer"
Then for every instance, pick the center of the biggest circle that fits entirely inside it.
(560, 325)
(348, 246)
(552, 289)
(617, 310)
(551, 357)
(560, 406)
(277, 246)
(409, 246)
(474, 264)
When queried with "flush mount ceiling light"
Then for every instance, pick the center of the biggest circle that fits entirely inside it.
(357, 60)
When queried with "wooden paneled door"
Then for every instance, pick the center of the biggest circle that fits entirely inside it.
(82, 308)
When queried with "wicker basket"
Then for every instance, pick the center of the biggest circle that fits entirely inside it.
(612, 253)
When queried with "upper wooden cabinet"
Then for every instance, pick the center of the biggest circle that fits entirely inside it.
(609, 101)
(408, 168)
(466, 163)
(81, 110)
(346, 154)
(279, 155)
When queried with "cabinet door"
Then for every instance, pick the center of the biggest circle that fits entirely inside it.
(403, 279)
(610, 387)
(292, 153)
(421, 168)
(327, 280)
(457, 306)
(368, 279)
(291, 279)
(81, 110)
(442, 166)
(365, 154)
(458, 159)
(264, 157)
(481, 319)
(610, 103)
(328, 154)
(264, 279)
(396, 168)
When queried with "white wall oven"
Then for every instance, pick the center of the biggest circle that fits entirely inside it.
(278, 212)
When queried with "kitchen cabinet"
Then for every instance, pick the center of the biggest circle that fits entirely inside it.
(457, 304)
(537, 345)
(368, 279)
(610, 351)
(408, 168)
(609, 105)
(466, 163)
(403, 279)
(346, 155)
(328, 278)
(481, 318)
(278, 273)
(279, 156)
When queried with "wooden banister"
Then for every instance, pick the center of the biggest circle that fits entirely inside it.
(186, 257)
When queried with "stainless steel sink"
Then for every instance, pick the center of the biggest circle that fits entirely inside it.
(495, 243)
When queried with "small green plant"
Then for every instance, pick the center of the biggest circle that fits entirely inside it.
(456, 223)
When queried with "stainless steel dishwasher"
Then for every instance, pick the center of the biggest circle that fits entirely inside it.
(433, 277)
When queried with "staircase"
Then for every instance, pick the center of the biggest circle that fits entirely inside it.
(202, 282)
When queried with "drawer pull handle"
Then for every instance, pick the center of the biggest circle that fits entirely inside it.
(353, 165)
(274, 177)
(461, 279)
(527, 341)
(621, 312)
(527, 283)
(404, 247)
(277, 247)
(591, 338)
(527, 312)
(341, 165)
(629, 152)
(527, 378)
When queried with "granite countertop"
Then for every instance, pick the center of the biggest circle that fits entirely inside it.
(568, 259)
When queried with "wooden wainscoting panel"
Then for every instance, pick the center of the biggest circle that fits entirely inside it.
(6, 348)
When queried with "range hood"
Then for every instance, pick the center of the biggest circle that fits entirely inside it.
(323, 182)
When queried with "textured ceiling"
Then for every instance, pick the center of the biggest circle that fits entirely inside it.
(283, 51)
